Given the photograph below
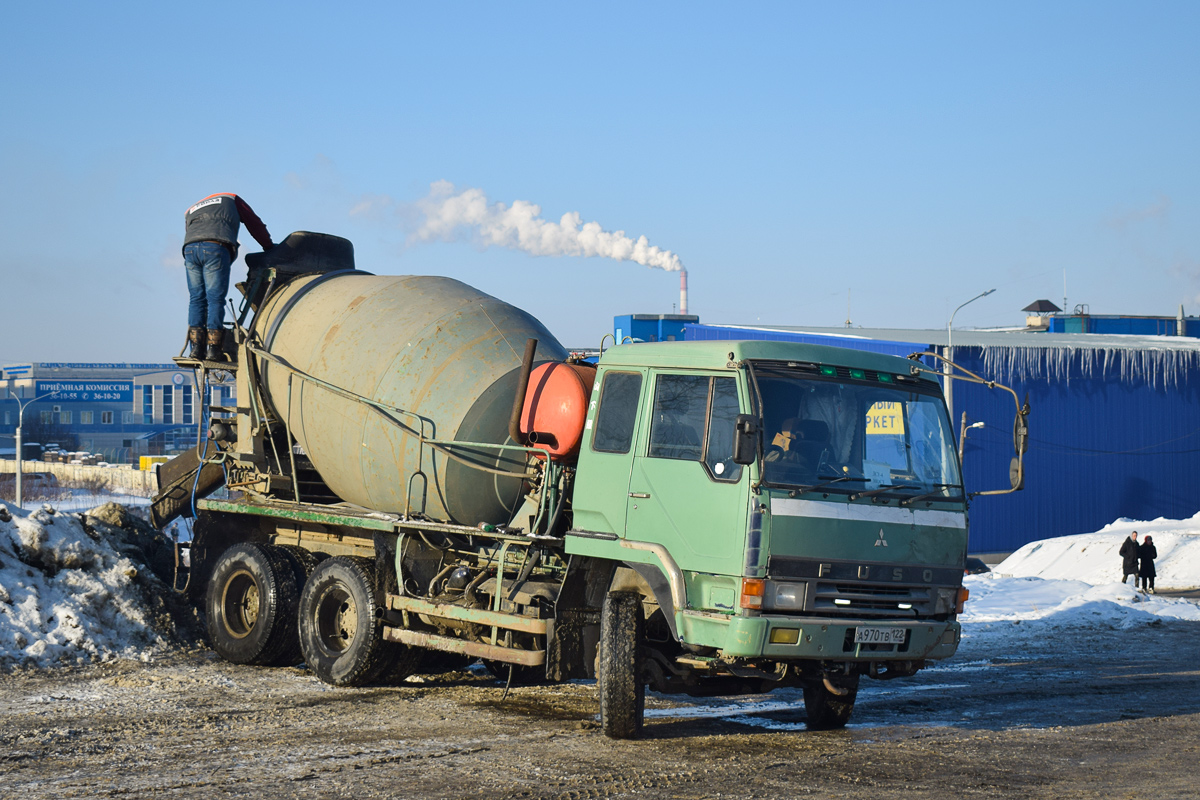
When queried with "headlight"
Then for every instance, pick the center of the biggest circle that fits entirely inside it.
(786, 596)
(947, 599)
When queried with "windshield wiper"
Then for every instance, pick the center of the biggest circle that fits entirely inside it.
(819, 486)
(908, 501)
(886, 488)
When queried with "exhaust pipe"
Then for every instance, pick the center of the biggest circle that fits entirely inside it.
(514, 420)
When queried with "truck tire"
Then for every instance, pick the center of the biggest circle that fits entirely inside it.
(398, 662)
(302, 563)
(619, 678)
(251, 605)
(340, 636)
(826, 710)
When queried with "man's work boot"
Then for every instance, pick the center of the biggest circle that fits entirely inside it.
(215, 352)
(196, 339)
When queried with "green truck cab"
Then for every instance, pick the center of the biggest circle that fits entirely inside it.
(834, 550)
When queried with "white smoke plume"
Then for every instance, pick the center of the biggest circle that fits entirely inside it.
(450, 214)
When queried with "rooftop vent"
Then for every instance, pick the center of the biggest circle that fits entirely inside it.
(1038, 314)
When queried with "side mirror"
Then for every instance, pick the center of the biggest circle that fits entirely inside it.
(745, 439)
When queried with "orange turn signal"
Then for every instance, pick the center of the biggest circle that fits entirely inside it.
(753, 590)
(963, 594)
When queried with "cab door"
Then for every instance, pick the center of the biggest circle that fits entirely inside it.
(685, 491)
(612, 428)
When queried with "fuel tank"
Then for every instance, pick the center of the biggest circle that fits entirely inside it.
(444, 352)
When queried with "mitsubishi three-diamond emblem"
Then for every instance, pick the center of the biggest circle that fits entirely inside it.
(881, 542)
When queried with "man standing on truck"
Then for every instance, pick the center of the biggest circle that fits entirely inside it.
(1129, 558)
(210, 246)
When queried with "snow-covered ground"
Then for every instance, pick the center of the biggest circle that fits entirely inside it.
(1076, 580)
(67, 595)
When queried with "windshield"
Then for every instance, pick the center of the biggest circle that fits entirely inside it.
(856, 437)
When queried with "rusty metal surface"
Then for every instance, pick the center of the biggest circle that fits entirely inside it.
(433, 346)
(476, 615)
(178, 486)
(448, 644)
(303, 512)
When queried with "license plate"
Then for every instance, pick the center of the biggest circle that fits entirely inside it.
(880, 635)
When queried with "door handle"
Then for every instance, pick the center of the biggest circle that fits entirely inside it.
(642, 495)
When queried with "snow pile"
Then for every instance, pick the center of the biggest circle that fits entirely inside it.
(71, 590)
(1076, 580)
(1092, 557)
(998, 598)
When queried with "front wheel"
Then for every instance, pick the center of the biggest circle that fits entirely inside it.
(826, 710)
(619, 678)
(340, 636)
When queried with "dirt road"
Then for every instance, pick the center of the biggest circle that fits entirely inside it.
(1024, 711)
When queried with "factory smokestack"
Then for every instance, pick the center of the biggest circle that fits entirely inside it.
(682, 291)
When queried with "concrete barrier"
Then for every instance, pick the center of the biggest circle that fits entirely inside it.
(122, 476)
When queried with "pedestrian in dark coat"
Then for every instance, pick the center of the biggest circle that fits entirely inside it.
(1146, 554)
(1129, 558)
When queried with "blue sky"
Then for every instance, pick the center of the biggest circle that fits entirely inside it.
(910, 154)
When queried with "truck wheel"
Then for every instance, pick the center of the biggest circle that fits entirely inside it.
(619, 678)
(826, 710)
(251, 605)
(398, 662)
(302, 563)
(340, 636)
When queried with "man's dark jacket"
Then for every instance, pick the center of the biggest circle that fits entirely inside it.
(1129, 555)
(216, 219)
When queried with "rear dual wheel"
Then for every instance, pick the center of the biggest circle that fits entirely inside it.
(251, 606)
(340, 632)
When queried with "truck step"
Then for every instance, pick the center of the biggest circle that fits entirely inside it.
(479, 616)
(448, 644)
(195, 363)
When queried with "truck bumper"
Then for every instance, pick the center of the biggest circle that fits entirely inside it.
(815, 638)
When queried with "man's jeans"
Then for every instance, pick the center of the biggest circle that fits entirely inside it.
(207, 265)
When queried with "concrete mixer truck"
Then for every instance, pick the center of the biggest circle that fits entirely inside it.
(419, 473)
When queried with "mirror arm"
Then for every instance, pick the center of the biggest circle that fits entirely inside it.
(1021, 438)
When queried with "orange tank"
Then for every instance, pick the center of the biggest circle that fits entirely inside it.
(556, 406)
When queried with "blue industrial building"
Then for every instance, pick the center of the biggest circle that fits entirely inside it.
(1114, 429)
(1115, 423)
(119, 411)
(651, 327)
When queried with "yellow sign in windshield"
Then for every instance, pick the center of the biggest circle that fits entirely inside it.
(885, 418)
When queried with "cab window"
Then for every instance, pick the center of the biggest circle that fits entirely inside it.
(616, 418)
(693, 420)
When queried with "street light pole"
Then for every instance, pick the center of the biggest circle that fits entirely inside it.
(20, 449)
(949, 388)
